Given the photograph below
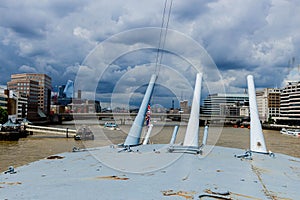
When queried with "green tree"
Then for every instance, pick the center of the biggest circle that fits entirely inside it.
(3, 115)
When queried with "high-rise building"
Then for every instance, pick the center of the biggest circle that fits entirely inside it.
(268, 103)
(216, 104)
(290, 101)
(31, 89)
(31, 84)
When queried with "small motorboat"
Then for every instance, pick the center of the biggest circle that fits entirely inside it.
(111, 126)
(84, 133)
(293, 132)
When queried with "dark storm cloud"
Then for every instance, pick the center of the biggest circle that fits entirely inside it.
(189, 10)
(258, 37)
(64, 8)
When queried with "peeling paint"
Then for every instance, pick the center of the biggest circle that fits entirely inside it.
(186, 195)
(112, 178)
(10, 183)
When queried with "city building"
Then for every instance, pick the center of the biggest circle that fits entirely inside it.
(43, 85)
(37, 88)
(268, 103)
(64, 101)
(224, 104)
(64, 94)
(244, 111)
(184, 107)
(17, 104)
(3, 98)
(85, 106)
(31, 89)
(232, 110)
(62, 98)
(290, 104)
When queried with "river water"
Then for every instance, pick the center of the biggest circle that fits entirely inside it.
(39, 146)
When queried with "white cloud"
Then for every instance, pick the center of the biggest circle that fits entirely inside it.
(82, 33)
(27, 69)
(271, 52)
(25, 48)
(242, 37)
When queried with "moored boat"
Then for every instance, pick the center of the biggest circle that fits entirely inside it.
(84, 133)
(111, 126)
(293, 132)
(14, 129)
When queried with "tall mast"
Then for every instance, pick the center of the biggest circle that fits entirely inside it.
(134, 135)
(257, 141)
(192, 130)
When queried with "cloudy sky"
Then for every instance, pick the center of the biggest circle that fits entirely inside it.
(108, 45)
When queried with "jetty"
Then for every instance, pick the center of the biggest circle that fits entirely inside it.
(17, 133)
(58, 131)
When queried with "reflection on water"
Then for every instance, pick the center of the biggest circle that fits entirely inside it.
(32, 148)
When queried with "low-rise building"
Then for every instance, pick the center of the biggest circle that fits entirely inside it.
(184, 107)
(3, 99)
(223, 104)
(17, 104)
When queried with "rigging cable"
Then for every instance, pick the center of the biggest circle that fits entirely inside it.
(162, 38)
(165, 36)
(160, 35)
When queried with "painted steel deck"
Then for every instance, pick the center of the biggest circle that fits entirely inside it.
(152, 172)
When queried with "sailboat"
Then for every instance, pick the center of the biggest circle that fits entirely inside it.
(134, 170)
